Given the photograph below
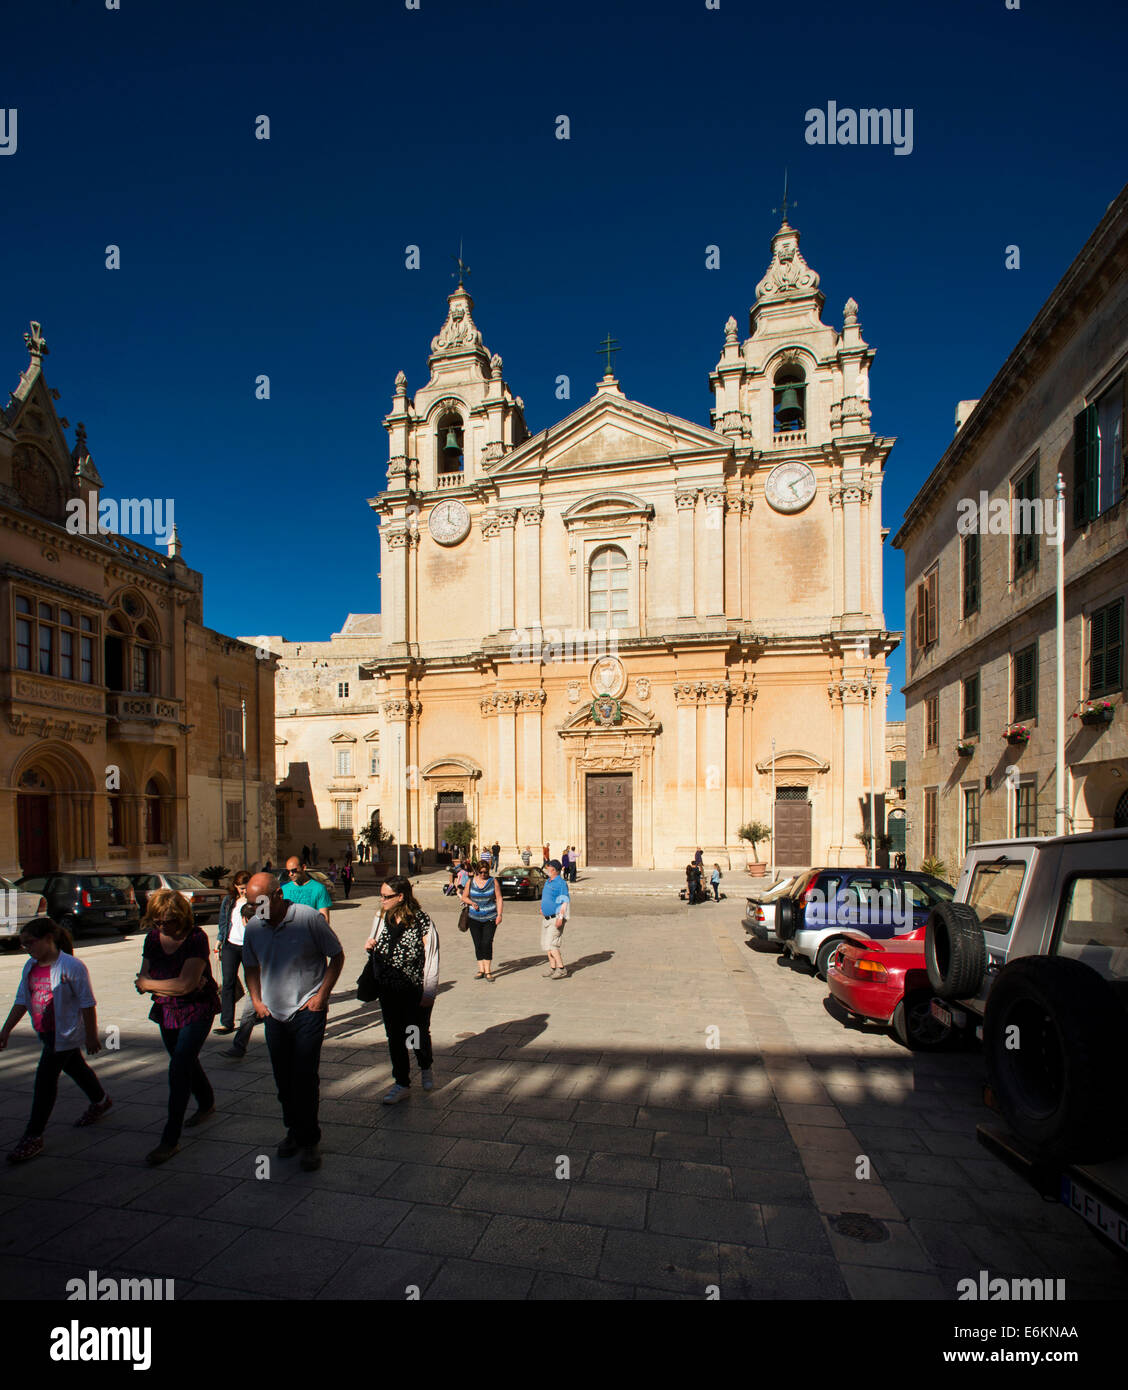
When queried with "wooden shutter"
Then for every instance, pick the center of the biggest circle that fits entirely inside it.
(1098, 638)
(1086, 465)
(932, 625)
(922, 615)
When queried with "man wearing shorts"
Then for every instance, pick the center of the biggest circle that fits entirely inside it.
(555, 908)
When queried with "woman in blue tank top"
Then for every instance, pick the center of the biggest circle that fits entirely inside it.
(482, 895)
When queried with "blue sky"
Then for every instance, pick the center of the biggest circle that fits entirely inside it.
(392, 127)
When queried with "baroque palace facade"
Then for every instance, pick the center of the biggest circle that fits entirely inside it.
(121, 746)
(658, 603)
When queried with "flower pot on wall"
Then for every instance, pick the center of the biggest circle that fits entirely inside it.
(1096, 716)
(757, 870)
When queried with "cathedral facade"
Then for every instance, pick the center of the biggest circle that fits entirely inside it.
(628, 632)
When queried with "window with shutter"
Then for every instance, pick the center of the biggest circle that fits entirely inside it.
(922, 616)
(1086, 465)
(1106, 649)
(1025, 697)
(971, 574)
(971, 706)
(932, 721)
(932, 586)
(1025, 547)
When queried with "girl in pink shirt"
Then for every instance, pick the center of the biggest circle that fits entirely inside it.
(55, 990)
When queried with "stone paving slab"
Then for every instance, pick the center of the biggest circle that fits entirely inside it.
(580, 1143)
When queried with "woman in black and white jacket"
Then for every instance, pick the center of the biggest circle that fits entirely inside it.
(405, 961)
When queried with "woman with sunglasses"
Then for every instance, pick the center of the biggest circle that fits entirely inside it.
(405, 961)
(176, 971)
(482, 895)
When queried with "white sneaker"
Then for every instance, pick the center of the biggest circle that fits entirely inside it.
(428, 1079)
(396, 1094)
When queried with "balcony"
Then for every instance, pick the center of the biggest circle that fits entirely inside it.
(789, 439)
(139, 718)
(447, 480)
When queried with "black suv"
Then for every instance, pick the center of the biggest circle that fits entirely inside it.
(82, 900)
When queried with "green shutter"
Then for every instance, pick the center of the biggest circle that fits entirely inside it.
(1098, 643)
(1114, 646)
(1086, 465)
(898, 772)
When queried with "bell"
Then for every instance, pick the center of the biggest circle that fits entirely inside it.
(451, 443)
(789, 411)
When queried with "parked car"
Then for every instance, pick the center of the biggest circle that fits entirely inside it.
(204, 898)
(17, 908)
(826, 906)
(759, 920)
(520, 882)
(85, 901)
(1034, 953)
(886, 982)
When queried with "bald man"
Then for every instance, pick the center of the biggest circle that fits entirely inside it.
(292, 960)
(303, 888)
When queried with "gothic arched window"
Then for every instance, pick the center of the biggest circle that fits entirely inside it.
(608, 589)
(145, 661)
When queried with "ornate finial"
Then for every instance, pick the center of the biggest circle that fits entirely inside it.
(174, 546)
(401, 383)
(784, 205)
(80, 436)
(463, 268)
(730, 328)
(850, 311)
(606, 348)
(36, 343)
(495, 366)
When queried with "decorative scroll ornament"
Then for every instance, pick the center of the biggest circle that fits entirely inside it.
(458, 333)
(788, 273)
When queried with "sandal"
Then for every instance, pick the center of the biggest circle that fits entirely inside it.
(25, 1149)
(94, 1112)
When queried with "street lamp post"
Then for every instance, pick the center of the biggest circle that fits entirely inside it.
(399, 793)
(243, 707)
(771, 815)
(870, 690)
(1059, 732)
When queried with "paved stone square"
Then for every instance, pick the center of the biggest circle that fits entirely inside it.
(682, 1113)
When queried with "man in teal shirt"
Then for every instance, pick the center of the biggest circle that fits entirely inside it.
(555, 908)
(303, 889)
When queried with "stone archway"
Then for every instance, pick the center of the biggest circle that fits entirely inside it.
(54, 809)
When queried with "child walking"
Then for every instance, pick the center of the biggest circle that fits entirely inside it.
(55, 990)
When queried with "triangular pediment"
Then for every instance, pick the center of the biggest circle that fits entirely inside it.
(611, 429)
(632, 720)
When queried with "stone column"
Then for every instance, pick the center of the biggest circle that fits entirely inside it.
(851, 762)
(528, 816)
(503, 822)
(531, 579)
(852, 548)
(686, 502)
(685, 699)
(491, 530)
(711, 820)
(392, 585)
(713, 554)
(507, 521)
(394, 758)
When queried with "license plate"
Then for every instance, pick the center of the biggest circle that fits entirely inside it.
(116, 914)
(1106, 1219)
(940, 1013)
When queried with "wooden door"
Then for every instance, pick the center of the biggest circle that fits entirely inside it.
(33, 815)
(793, 833)
(610, 819)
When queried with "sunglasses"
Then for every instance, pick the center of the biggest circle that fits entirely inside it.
(391, 895)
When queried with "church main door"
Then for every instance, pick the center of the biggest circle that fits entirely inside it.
(610, 823)
(792, 827)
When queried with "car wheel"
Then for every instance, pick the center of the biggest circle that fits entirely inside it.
(825, 955)
(786, 920)
(1054, 1041)
(955, 953)
(915, 1028)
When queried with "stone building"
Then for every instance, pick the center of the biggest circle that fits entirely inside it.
(121, 746)
(980, 570)
(592, 635)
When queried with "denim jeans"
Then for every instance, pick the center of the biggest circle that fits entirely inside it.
(230, 959)
(482, 935)
(185, 1075)
(51, 1065)
(295, 1055)
(402, 1011)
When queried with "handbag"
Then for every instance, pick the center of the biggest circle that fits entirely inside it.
(464, 918)
(366, 987)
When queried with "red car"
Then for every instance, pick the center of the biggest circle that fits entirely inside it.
(887, 982)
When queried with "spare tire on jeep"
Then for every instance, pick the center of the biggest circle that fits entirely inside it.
(787, 917)
(955, 953)
(1055, 1040)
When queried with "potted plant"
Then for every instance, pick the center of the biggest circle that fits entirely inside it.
(377, 839)
(1095, 712)
(934, 867)
(1017, 734)
(213, 874)
(754, 832)
(965, 748)
(463, 833)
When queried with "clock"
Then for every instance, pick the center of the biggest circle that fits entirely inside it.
(789, 487)
(449, 522)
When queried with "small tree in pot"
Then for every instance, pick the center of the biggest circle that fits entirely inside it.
(754, 832)
(378, 839)
(462, 833)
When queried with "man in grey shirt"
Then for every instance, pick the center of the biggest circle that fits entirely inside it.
(292, 959)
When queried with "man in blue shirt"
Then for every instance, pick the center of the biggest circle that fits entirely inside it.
(556, 904)
(306, 890)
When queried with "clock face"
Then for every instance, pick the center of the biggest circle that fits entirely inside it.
(789, 487)
(449, 522)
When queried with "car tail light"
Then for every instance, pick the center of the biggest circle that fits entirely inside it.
(805, 895)
(870, 967)
(130, 896)
(41, 907)
(760, 915)
(524, 883)
(87, 900)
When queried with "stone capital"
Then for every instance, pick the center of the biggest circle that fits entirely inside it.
(532, 516)
(685, 501)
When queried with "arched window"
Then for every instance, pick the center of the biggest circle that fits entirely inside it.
(448, 443)
(154, 829)
(115, 652)
(145, 663)
(789, 399)
(115, 810)
(608, 585)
